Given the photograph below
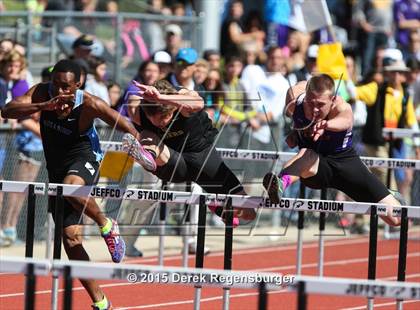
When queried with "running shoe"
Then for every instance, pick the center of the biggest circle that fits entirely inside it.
(10, 234)
(192, 249)
(115, 243)
(108, 307)
(132, 147)
(397, 195)
(4, 242)
(274, 187)
(219, 212)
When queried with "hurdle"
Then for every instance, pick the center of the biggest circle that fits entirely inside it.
(255, 155)
(262, 282)
(250, 202)
(351, 287)
(246, 154)
(137, 273)
(31, 189)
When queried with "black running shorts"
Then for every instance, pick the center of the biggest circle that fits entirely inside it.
(206, 168)
(346, 172)
(88, 171)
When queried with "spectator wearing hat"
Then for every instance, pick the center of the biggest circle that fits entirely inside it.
(82, 47)
(164, 61)
(389, 105)
(185, 65)
(173, 39)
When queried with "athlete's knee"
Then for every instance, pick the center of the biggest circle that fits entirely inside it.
(247, 214)
(72, 236)
(311, 160)
(148, 138)
(152, 142)
(390, 201)
(78, 203)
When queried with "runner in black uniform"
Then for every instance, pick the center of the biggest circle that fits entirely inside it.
(326, 157)
(72, 154)
(176, 130)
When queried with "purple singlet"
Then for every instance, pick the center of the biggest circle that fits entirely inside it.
(330, 142)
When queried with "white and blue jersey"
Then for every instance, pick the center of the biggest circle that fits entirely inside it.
(62, 140)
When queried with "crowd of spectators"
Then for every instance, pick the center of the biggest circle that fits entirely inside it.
(245, 82)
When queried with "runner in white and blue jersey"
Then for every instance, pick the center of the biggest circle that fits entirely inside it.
(72, 153)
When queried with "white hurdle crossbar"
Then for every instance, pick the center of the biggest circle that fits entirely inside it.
(238, 201)
(254, 155)
(214, 278)
(21, 187)
(353, 287)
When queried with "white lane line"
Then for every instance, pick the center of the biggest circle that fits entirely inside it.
(308, 265)
(175, 303)
(335, 263)
(279, 247)
(287, 247)
(183, 302)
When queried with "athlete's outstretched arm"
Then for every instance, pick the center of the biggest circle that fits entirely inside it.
(292, 93)
(24, 106)
(187, 101)
(97, 108)
(343, 119)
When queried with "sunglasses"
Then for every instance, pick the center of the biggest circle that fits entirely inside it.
(182, 63)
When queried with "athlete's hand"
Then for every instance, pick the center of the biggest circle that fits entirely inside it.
(319, 129)
(149, 93)
(60, 102)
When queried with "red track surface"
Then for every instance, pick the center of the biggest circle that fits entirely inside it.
(346, 257)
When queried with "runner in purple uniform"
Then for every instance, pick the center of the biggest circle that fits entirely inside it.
(323, 132)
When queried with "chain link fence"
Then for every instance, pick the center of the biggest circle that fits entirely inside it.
(124, 40)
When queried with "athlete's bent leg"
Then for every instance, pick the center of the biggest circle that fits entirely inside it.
(247, 214)
(72, 241)
(152, 143)
(304, 164)
(84, 204)
(108, 227)
(389, 219)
